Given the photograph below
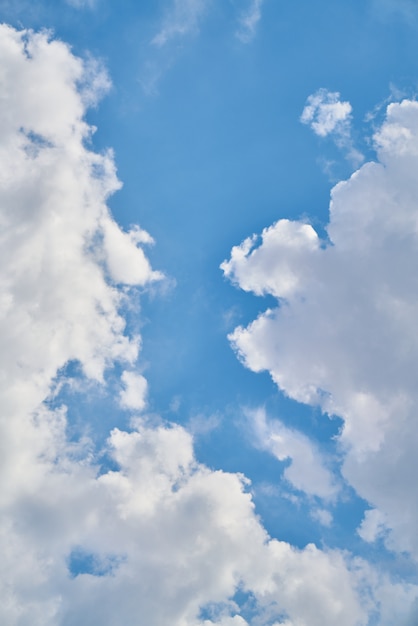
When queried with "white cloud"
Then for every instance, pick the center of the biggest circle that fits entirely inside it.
(182, 19)
(327, 115)
(122, 255)
(248, 21)
(160, 536)
(283, 250)
(134, 396)
(373, 525)
(307, 471)
(344, 335)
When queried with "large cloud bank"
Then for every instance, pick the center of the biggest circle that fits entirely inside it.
(344, 333)
(160, 539)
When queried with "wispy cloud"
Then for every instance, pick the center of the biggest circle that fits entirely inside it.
(82, 4)
(248, 21)
(307, 471)
(408, 9)
(182, 18)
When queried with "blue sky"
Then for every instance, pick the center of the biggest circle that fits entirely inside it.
(208, 305)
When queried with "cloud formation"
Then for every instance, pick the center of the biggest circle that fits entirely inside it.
(133, 396)
(327, 115)
(159, 538)
(307, 471)
(343, 336)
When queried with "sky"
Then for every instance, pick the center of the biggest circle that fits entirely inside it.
(208, 305)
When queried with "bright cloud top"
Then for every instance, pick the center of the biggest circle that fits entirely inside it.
(344, 334)
(159, 537)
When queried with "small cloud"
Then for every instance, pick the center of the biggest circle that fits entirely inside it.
(125, 260)
(182, 19)
(135, 392)
(203, 424)
(230, 317)
(175, 404)
(249, 20)
(95, 82)
(327, 115)
(373, 526)
(307, 471)
(322, 516)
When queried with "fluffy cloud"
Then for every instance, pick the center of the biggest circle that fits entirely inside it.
(344, 335)
(158, 539)
(133, 396)
(327, 115)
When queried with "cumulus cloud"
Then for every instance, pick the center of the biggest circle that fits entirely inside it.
(157, 538)
(327, 115)
(343, 336)
(248, 21)
(134, 394)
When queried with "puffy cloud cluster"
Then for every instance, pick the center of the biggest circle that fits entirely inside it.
(61, 253)
(158, 539)
(162, 537)
(327, 115)
(344, 334)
